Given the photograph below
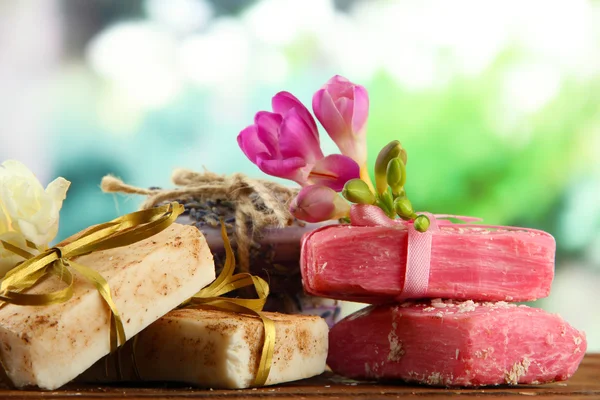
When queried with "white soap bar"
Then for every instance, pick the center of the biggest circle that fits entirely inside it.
(220, 349)
(47, 346)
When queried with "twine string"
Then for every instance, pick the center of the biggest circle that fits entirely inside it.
(258, 203)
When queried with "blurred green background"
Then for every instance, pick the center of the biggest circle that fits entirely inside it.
(497, 103)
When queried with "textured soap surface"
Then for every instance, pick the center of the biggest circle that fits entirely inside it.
(368, 264)
(219, 349)
(449, 343)
(49, 346)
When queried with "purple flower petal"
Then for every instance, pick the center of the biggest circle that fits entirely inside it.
(345, 107)
(329, 116)
(317, 203)
(361, 109)
(314, 204)
(289, 168)
(334, 171)
(296, 139)
(338, 86)
(283, 102)
(251, 145)
(268, 124)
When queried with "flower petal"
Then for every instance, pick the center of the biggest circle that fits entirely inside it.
(345, 107)
(267, 124)
(289, 168)
(338, 86)
(361, 110)
(283, 102)
(329, 116)
(4, 219)
(314, 204)
(16, 168)
(251, 145)
(334, 171)
(296, 139)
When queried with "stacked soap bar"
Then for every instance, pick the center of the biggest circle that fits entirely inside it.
(450, 343)
(368, 263)
(220, 349)
(47, 346)
(465, 341)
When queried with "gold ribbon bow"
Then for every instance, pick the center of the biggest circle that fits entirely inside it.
(209, 297)
(122, 231)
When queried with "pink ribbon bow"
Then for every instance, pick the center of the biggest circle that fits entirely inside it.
(418, 257)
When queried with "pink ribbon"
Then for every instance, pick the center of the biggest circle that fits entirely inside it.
(418, 257)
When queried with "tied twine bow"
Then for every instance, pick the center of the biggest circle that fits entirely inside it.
(418, 257)
(122, 231)
(259, 203)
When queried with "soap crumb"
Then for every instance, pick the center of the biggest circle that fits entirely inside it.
(518, 370)
(467, 306)
(435, 378)
(484, 353)
(438, 303)
(396, 351)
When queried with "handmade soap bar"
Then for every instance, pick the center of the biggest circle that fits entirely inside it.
(368, 264)
(447, 343)
(221, 349)
(47, 346)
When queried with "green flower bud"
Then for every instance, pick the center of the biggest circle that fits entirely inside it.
(385, 201)
(422, 223)
(403, 207)
(396, 175)
(401, 193)
(357, 191)
(392, 150)
(403, 156)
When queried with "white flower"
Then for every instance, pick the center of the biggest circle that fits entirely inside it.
(26, 208)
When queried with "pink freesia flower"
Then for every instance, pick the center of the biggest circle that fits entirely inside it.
(342, 108)
(316, 203)
(285, 143)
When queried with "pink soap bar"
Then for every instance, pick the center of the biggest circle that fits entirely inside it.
(368, 264)
(449, 343)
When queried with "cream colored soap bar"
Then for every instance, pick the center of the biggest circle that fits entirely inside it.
(220, 349)
(49, 346)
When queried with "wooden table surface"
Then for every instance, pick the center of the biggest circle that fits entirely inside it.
(585, 384)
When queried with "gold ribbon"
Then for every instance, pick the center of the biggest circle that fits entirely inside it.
(226, 282)
(122, 231)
